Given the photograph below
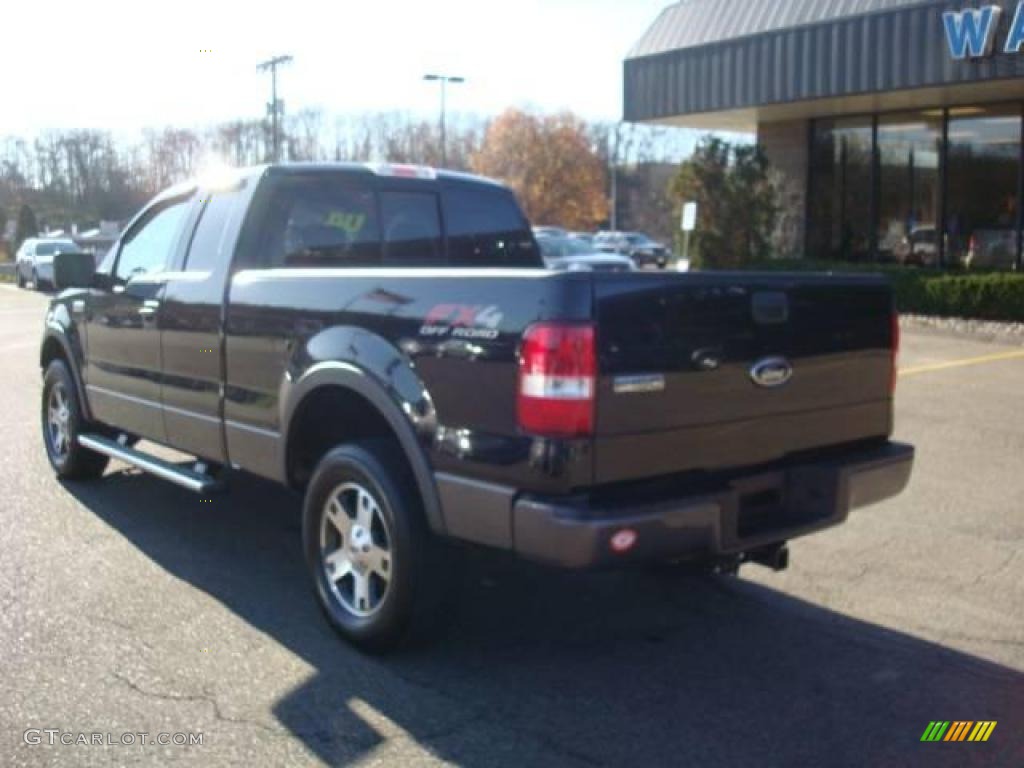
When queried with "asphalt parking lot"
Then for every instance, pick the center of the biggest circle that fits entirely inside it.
(130, 606)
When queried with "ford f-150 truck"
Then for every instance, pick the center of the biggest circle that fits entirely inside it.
(385, 340)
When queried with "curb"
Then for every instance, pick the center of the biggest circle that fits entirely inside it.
(988, 331)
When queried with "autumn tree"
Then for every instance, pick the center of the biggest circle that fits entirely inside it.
(736, 200)
(552, 165)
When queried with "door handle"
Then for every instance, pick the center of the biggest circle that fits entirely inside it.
(149, 307)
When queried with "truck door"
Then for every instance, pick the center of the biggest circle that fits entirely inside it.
(123, 367)
(190, 330)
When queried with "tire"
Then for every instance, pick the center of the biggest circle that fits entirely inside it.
(62, 422)
(401, 563)
(35, 280)
(20, 279)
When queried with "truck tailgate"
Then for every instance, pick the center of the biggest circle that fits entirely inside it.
(710, 371)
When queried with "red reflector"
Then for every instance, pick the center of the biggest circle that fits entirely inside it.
(557, 378)
(623, 540)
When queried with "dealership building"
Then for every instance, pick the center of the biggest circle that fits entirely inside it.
(895, 125)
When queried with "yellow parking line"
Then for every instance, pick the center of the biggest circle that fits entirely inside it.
(1016, 355)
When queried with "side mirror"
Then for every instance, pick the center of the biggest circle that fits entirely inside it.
(73, 270)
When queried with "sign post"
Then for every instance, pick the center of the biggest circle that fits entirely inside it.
(688, 224)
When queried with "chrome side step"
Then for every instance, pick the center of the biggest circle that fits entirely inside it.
(186, 478)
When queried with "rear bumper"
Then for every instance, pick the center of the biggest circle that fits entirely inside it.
(747, 513)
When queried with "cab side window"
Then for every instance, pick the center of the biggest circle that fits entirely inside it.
(412, 229)
(317, 221)
(148, 248)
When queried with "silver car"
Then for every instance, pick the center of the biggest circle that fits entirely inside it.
(568, 255)
(34, 260)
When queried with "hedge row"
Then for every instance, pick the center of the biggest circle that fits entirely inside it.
(983, 295)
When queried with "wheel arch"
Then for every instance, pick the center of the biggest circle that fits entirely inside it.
(55, 346)
(342, 385)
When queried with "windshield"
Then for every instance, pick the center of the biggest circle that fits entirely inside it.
(48, 249)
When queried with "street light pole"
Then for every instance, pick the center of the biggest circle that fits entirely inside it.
(444, 80)
(275, 105)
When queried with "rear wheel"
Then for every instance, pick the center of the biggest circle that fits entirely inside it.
(378, 571)
(62, 422)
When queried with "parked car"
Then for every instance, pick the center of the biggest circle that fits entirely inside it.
(566, 253)
(585, 237)
(34, 261)
(920, 247)
(549, 232)
(643, 250)
(386, 341)
(992, 249)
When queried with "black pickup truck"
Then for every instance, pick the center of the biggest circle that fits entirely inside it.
(385, 340)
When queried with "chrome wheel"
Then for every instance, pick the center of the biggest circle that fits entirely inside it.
(58, 422)
(355, 549)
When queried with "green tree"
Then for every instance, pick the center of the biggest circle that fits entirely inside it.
(737, 203)
(26, 227)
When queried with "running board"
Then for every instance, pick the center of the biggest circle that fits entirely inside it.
(186, 478)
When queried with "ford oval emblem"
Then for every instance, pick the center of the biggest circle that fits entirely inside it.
(771, 372)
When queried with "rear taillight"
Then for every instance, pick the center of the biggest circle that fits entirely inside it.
(557, 380)
(895, 351)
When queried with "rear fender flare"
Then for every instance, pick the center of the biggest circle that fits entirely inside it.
(336, 373)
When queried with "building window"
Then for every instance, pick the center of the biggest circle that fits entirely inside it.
(840, 199)
(910, 185)
(937, 187)
(982, 182)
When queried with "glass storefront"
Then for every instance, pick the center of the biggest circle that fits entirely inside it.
(909, 187)
(984, 171)
(842, 162)
(929, 188)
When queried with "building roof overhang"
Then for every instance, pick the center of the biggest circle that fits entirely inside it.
(731, 64)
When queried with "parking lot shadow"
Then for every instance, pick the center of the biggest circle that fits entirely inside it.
(540, 667)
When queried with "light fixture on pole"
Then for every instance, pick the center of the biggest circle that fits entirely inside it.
(275, 107)
(444, 80)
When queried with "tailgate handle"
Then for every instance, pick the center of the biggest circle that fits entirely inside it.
(770, 307)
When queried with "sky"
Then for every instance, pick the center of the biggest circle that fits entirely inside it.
(122, 67)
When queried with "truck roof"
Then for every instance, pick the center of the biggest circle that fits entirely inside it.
(228, 177)
(400, 170)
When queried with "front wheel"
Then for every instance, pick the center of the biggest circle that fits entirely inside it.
(377, 569)
(62, 423)
(19, 277)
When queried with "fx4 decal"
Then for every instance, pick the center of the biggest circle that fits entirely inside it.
(463, 321)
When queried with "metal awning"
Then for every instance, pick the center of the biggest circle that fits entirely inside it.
(725, 63)
(701, 22)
